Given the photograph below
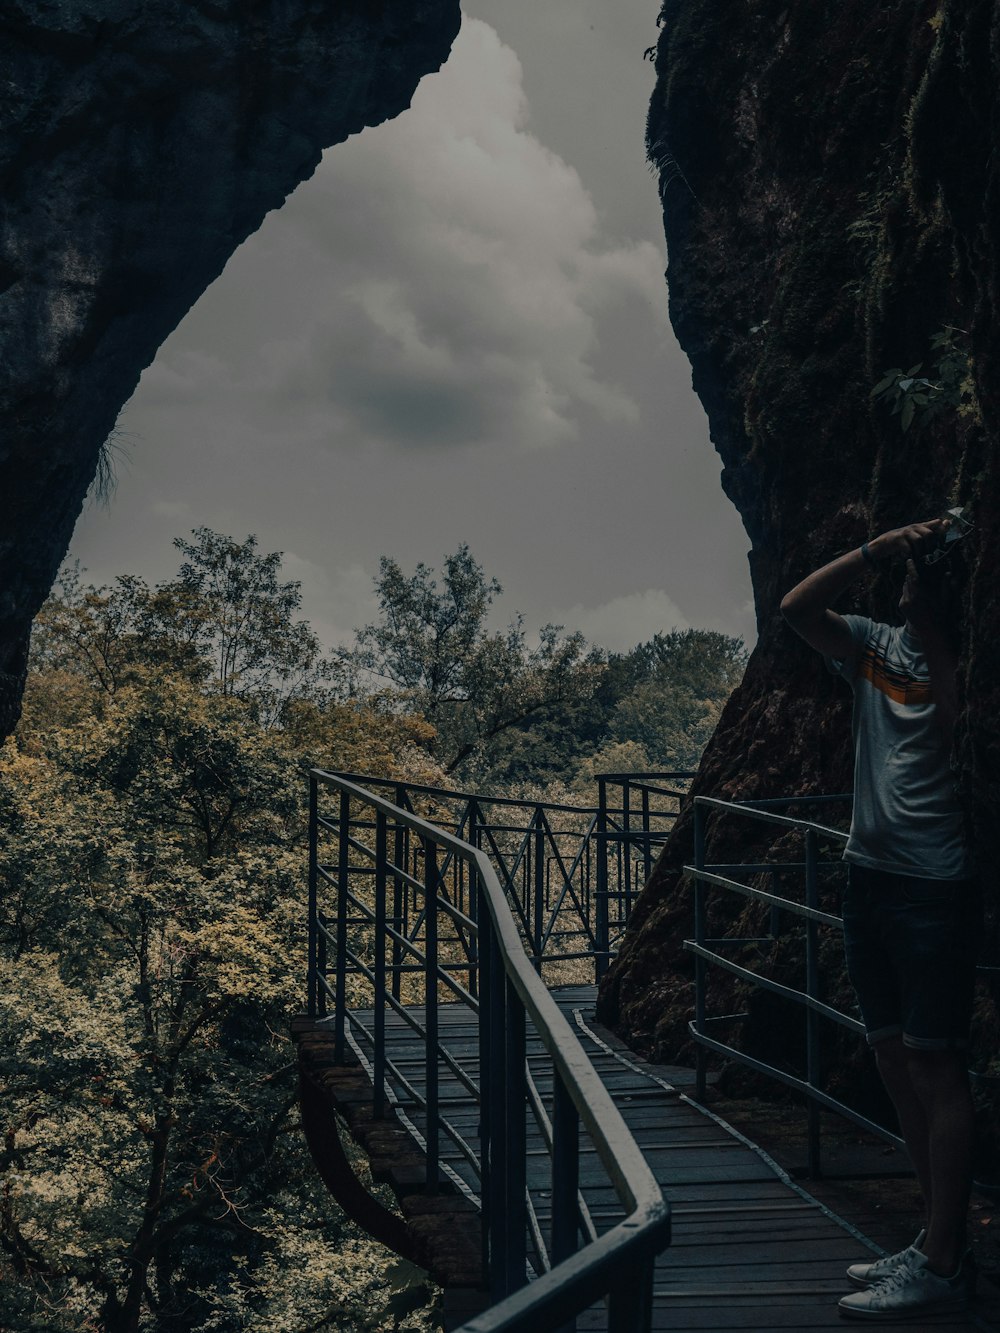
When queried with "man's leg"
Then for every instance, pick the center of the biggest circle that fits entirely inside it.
(893, 1062)
(941, 1084)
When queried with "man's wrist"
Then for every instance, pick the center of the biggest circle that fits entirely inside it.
(873, 554)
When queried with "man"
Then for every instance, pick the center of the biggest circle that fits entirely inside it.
(911, 909)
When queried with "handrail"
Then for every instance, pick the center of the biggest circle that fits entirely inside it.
(508, 991)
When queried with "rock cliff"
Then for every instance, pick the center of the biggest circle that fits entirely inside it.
(143, 141)
(830, 202)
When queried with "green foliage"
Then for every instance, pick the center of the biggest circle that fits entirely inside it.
(153, 1176)
(151, 946)
(473, 684)
(226, 621)
(652, 708)
(920, 399)
(674, 708)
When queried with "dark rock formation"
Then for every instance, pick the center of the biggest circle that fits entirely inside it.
(143, 141)
(830, 197)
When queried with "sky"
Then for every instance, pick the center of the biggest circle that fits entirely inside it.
(455, 331)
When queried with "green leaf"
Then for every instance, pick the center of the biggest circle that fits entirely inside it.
(907, 416)
(886, 382)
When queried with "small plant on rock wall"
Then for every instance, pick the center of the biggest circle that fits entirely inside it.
(917, 398)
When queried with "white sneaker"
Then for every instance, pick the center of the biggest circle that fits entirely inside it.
(864, 1275)
(912, 1289)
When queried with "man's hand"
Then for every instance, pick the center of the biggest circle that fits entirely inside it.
(908, 543)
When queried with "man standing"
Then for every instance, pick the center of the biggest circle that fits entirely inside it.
(911, 909)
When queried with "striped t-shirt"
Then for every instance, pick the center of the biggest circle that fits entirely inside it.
(906, 816)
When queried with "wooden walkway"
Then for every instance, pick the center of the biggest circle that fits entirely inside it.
(750, 1249)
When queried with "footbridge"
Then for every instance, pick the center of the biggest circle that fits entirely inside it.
(547, 1177)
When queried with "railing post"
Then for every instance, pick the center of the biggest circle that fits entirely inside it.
(431, 1011)
(475, 903)
(312, 973)
(630, 1301)
(565, 1177)
(343, 888)
(602, 931)
(700, 966)
(322, 924)
(379, 963)
(625, 884)
(539, 889)
(647, 834)
(515, 1091)
(497, 1112)
(812, 1017)
(398, 855)
(487, 1029)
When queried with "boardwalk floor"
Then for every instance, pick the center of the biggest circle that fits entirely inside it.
(750, 1249)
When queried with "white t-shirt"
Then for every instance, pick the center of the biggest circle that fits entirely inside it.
(906, 817)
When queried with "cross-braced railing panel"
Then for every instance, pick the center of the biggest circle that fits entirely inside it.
(571, 872)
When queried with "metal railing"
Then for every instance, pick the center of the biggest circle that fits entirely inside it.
(464, 941)
(571, 872)
(808, 998)
(636, 826)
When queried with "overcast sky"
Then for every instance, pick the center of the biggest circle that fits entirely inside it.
(455, 331)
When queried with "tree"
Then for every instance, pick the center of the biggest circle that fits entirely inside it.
(674, 706)
(226, 621)
(151, 954)
(433, 647)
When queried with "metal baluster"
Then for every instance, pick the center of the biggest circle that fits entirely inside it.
(516, 1212)
(379, 961)
(431, 1012)
(602, 931)
(312, 973)
(539, 890)
(322, 923)
(812, 1017)
(565, 1177)
(398, 902)
(647, 845)
(499, 1144)
(475, 905)
(699, 963)
(343, 882)
(486, 1068)
(625, 884)
(630, 1302)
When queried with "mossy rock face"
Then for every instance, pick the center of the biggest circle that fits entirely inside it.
(143, 142)
(831, 201)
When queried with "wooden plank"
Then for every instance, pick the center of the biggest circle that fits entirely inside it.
(748, 1252)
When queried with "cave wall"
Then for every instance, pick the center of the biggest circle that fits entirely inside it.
(830, 203)
(143, 141)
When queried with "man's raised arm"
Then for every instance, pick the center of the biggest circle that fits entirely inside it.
(807, 606)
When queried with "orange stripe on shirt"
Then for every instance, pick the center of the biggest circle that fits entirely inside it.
(893, 683)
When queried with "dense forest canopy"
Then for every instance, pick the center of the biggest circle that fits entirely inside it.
(151, 937)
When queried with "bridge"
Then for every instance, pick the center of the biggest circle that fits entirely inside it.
(546, 1176)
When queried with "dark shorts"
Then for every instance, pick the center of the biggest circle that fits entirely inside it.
(911, 948)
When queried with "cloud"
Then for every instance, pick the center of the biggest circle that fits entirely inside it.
(335, 602)
(625, 621)
(178, 511)
(440, 281)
